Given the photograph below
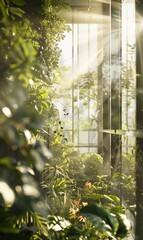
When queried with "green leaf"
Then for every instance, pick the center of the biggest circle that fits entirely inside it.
(38, 161)
(35, 237)
(72, 232)
(6, 162)
(7, 228)
(111, 198)
(18, 2)
(16, 11)
(103, 214)
(3, 10)
(124, 226)
(40, 222)
(98, 222)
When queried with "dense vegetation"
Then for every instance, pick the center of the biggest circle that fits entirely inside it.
(45, 188)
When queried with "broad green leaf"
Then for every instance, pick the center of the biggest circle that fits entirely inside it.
(103, 214)
(124, 226)
(98, 222)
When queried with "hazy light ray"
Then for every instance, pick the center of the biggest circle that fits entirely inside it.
(102, 20)
(100, 32)
(89, 17)
(87, 64)
(84, 41)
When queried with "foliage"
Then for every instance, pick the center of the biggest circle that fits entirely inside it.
(108, 223)
(70, 196)
(93, 165)
(29, 59)
(39, 194)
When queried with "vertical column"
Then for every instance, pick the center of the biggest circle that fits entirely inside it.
(115, 84)
(106, 87)
(116, 93)
(100, 82)
(139, 123)
(88, 85)
(78, 66)
(72, 75)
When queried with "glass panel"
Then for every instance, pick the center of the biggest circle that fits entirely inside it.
(83, 137)
(128, 69)
(94, 137)
(93, 150)
(83, 150)
(78, 109)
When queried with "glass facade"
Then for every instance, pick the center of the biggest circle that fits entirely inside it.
(99, 79)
